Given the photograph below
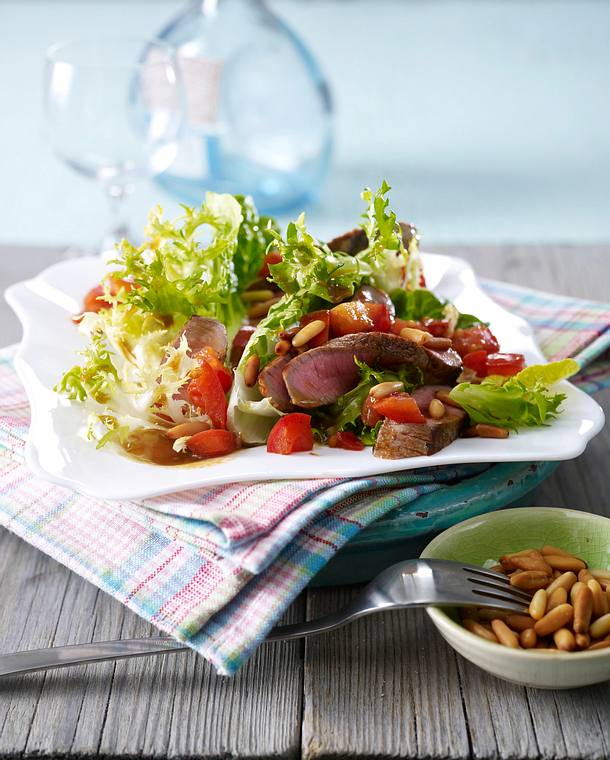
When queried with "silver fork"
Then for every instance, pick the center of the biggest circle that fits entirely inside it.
(413, 583)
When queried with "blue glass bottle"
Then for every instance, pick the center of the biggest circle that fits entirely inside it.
(259, 116)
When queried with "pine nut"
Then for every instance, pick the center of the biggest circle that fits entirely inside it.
(385, 389)
(282, 347)
(605, 644)
(417, 336)
(600, 575)
(519, 622)
(446, 399)
(585, 576)
(600, 627)
(437, 344)
(600, 600)
(559, 596)
(583, 609)
(307, 332)
(528, 638)
(558, 618)
(549, 549)
(251, 371)
(254, 296)
(531, 561)
(187, 428)
(564, 640)
(529, 580)
(538, 604)
(490, 431)
(504, 634)
(489, 614)
(559, 562)
(583, 640)
(565, 580)
(436, 410)
(575, 589)
(479, 630)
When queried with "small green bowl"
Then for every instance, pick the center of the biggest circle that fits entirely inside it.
(488, 537)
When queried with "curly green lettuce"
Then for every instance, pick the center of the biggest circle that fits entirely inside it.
(524, 400)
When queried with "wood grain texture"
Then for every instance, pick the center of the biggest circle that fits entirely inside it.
(387, 686)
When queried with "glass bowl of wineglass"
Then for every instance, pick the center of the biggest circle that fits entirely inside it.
(113, 112)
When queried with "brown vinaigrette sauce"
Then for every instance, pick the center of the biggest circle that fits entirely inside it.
(152, 445)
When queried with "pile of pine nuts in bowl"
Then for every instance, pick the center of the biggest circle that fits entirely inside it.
(561, 559)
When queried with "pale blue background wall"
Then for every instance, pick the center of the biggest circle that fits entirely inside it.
(490, 118)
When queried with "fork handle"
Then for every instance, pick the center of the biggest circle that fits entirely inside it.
(100, 651)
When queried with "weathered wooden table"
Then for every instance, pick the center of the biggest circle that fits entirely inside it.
(387, 686)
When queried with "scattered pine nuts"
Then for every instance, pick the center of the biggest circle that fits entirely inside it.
(446, 399)
(282, 347)
(504, 634)
(255, 296)
(385, 389)
(251, 371)
(436, 344)
(569, 610)
(261, 309)
(436, 410)
(487, 431)
(308, 332)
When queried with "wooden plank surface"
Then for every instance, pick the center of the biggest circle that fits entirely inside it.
(385, 686)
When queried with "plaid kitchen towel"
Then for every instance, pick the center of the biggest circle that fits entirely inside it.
(216, 567)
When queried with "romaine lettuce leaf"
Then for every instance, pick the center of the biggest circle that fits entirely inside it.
(419, 304)
(521, 401)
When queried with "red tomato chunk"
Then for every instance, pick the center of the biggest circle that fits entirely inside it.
(291, 433)
(357, 317)
(400, 407)
(505, 364)
(212, 443)
(207, 354)
(206, 393)
(477, 361)
(477, 338)
(345, 440)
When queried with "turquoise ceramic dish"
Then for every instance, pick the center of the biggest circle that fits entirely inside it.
(405, 532)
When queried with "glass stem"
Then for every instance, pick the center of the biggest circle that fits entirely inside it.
(118, 228)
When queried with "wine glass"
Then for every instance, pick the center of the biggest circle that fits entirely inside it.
(113, 112)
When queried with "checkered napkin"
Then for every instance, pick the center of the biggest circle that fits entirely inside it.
(216, 567)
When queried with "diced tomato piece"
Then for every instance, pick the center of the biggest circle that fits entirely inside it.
(212, 443)
(477, 361)
(400, 407)
(240, 341)
(505, 364)
(356, 317)
(369, 414)
(477, 338)
(321, 338)
(93, 300)
(206, 393)
(436, 327)
(273, 257)
(400, 324)
(291, 433)
(207, 354)
(345, 440)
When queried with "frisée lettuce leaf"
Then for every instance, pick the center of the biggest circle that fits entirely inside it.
(523, 400)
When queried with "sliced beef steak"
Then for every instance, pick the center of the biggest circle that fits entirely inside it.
(204, 331)
(319, 376)
(398, 440)
(271, 384)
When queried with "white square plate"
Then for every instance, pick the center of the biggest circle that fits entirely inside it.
(57, 452)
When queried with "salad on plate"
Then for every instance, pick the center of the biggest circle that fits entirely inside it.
(220, 332)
